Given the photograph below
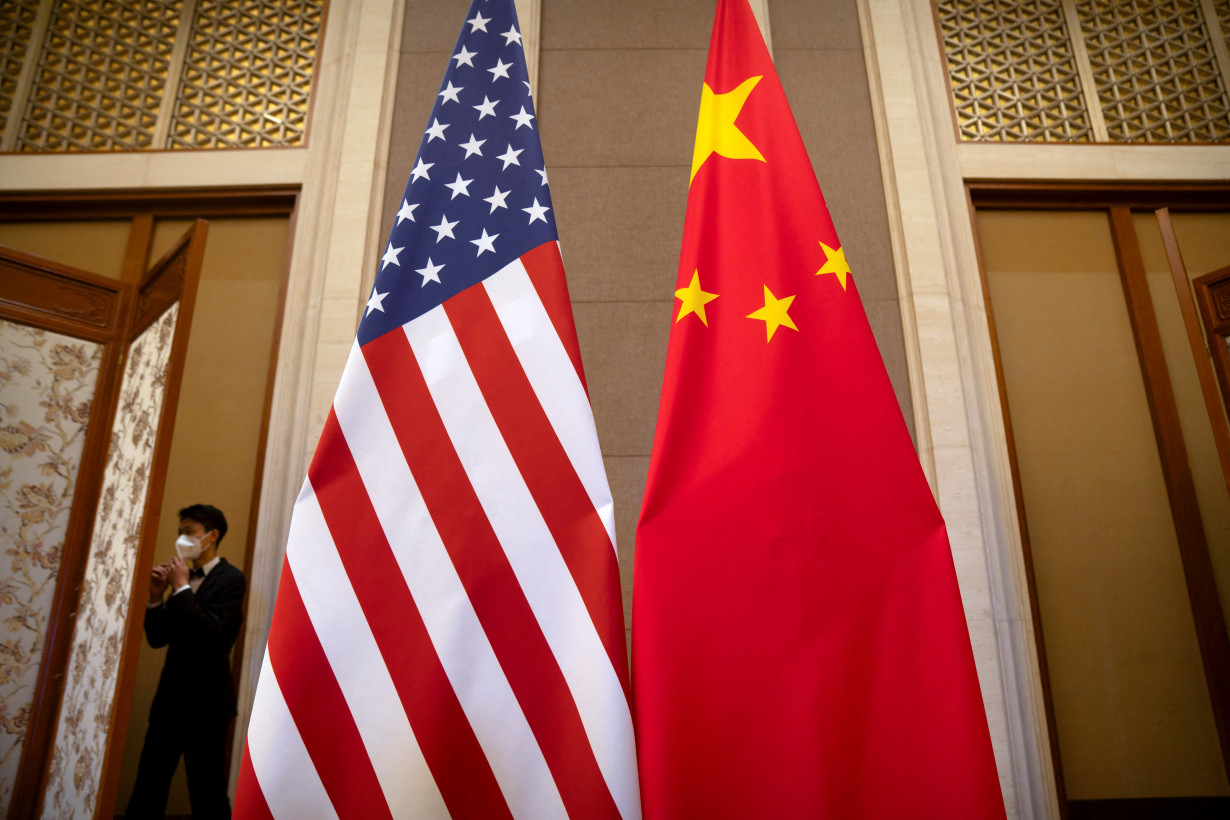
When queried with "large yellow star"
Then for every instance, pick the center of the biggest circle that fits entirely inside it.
(716, 132)
(694, 299)
(835, 263)
(774, 314)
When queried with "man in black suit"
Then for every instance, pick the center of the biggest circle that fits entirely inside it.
(195, 701)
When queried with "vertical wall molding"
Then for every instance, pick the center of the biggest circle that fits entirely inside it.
(529, 15)
(901, 262)
(335, 244)
(1218, 40)
(1089, 86)
(179, 52)
(760, 10)
(955, 390)
(25, 80)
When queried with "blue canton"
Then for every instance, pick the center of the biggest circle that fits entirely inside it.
(477, 198)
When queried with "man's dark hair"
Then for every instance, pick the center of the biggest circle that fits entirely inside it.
(208, 516)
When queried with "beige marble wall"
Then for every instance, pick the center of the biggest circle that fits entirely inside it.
(960, 430)
(151, 169)
(336, 239)
(1102, 163)
(619, 92)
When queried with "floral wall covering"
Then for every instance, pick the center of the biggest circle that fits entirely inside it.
(98, 637)
(46, 389)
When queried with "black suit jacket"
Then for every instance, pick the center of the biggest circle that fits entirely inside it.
(199, 628)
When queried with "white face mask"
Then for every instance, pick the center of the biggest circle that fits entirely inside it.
(189, 547)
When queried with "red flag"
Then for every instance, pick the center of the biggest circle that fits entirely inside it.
(448, 633)
(799, 645)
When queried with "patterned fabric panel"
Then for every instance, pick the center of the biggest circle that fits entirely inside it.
(47, 386)
(102, 611)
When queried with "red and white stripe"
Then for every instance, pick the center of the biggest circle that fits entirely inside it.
(448, 635)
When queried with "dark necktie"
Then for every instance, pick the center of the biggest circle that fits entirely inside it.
(196, 573)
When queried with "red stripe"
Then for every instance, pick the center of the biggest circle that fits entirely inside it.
(548, 472)
(316, 703)
(249, 799)
(488, 577)
(546, 270)
(452, 752)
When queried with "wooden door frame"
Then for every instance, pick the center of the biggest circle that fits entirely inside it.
(1180, 488)
(1213, 300)
(1208, 352)
(1118, 201)
(140, 208)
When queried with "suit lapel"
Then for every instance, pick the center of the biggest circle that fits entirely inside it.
(210, 579)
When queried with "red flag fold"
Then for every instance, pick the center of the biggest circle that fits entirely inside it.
(799, 644)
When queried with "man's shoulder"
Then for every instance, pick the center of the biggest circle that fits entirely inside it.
(226, 571)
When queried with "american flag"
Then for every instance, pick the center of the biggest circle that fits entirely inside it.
(448, 633)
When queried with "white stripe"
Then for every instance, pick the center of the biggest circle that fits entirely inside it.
(535, 558)
(554, 379)
(280, 761)
(360, 670)
(465, 653)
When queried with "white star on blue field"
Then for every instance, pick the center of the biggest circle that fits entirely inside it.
(477, 197)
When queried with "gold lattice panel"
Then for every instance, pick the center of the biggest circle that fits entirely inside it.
(248, 74)
(1012, 70)
(16, 25)
(1156, 71)
(101, 75)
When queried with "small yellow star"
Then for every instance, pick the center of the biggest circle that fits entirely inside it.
(716, 132)
(694, 299)
(774, 314)
(835, 263)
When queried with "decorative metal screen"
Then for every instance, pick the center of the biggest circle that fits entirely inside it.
(1157, 76)
(101, 75)
(1082, 70)
(1012, 71)
(248, 74)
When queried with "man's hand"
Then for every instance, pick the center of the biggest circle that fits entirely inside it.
(158, 582)
(178, 572)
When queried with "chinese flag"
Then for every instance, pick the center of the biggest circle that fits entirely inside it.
(799, 647)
